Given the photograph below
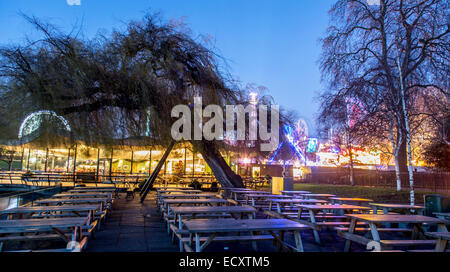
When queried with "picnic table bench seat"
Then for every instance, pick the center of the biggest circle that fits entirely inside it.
(30, 237)
(405, 230)
(424, 250)
(391, 243)
(82, 246)
(186, 240)
(295, 216)
(334, 224)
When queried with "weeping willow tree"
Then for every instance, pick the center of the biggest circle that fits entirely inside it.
(122, 85)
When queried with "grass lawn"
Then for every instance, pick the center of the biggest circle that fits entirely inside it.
(383, 195)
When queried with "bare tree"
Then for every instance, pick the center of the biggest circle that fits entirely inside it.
(382, 55)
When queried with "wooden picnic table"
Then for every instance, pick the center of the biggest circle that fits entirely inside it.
(295, 192)
(317, 212)
(442, 215)
(403, 208)
(442, 239)
(9, 229)
(227, 191)
(72, 201)
(350, 200)
(212, 227)
(160, 198)
(182, 213)
(281, 203)
(206, 195)
(76, 209)
(236, 189)
(376, 220)
(255, 197)
(235, 194)
(168, 203)
(82, 195)
(169, 191)
(94, 189)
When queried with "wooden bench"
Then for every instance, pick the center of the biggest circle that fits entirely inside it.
(36, 237)
(379, 229)
(391, 243)
(319, 216)
(330, 224)
(81, 246)
(187, 240)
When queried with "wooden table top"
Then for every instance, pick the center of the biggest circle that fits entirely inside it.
(356, 199)
(232, 225)
(186, 195)
(236, 189)
(180, 191)
(295, 192)
(85, 195)
(194, 201)
(445, 215)
(439, 235)
(215, 209)
(319, 195)
(5, 225)
(397, 206)
(297, 201)
(110, 190)
(36, 209)
(71, 200)
(333, 207)
(396, 218)
(253, 192)
(266, 196)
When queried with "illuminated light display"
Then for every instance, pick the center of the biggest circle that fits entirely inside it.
(33, 121)
(312, 146)
(292, 138)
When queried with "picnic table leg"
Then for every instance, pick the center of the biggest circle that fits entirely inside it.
(254, 245)
(374, 231)
(441, 245)
(313, 220)
(299, 214)
(281, 238)
(298, 241)
(351, 229)
(197, 243)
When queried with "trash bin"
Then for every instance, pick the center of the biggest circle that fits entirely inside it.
(436, 203)
(282, 184)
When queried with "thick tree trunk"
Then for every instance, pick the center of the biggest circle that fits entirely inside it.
(402, 157)
(223, 173)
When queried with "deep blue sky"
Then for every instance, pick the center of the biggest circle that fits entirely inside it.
(267, 42)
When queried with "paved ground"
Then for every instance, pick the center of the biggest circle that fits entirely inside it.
(135, 227)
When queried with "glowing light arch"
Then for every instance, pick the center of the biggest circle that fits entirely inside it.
(34, 120)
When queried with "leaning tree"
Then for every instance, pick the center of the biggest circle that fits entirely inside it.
(122, 85)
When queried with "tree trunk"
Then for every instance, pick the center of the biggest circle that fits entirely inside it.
(350, 153)
(222, 171)
(397, 174)
(408, 134)
(396, 149)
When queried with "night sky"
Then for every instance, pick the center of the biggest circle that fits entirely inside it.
(266, 42)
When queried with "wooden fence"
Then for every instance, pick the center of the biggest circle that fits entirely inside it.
(426, 181)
